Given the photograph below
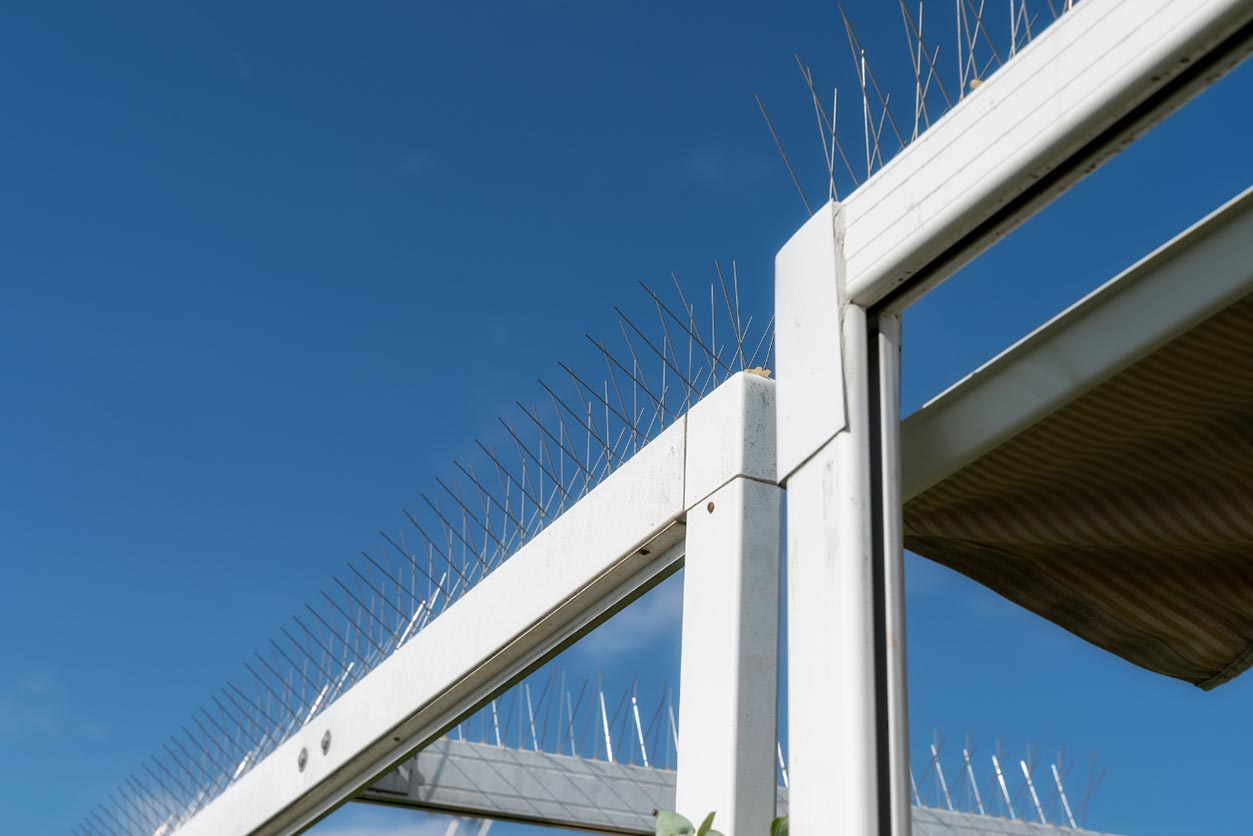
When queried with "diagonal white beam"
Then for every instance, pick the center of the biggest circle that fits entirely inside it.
(611, 546)
(614, 544)
(1171, 290)
(1084, 88)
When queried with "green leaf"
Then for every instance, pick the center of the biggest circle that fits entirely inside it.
(703, 830)
(714, 833)
(778, 827)
(672, 824)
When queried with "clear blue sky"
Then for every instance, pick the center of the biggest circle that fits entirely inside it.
(267, 268)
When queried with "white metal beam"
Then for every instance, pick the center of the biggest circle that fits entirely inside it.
(540, 788)
(616, 542)
(1085, 87)
(1170, 291)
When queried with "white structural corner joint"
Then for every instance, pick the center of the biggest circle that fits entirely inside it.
(730, 433)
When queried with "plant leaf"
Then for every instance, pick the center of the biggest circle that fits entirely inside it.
(778, 827)
(703, 830)
(672, 824)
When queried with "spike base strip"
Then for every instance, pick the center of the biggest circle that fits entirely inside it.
(612, 544)
(1084, 88)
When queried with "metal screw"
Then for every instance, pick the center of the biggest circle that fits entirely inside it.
(302, 759)
(710, 507)
(326, 742)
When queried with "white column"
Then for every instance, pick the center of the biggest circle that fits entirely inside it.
(728, 706)
(839, 458)
(832, 743)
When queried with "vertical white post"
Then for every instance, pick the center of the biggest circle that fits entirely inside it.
(728, 705)
(839, 457)
(832, 720)
(890, 557)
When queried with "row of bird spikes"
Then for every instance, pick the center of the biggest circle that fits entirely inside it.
(982, 39)
(548, 713)
(552, 454)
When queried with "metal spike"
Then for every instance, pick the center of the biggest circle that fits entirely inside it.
(430, 542)
(734, 317)
(1031, 787)
(783, 154)
(448, 526)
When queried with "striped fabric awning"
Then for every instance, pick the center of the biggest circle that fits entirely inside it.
(1118, 502)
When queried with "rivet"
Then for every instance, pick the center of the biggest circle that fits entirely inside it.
(326, 741)
(302, 759)
(710, 507)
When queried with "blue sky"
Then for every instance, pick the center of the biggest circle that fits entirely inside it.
(267, 269)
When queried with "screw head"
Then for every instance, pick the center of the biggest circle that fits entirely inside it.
(710, 507)
(302, 759)
(326, 741)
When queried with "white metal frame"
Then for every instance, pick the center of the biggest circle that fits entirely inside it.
(1166, 293)
(1076, 95)
(617, 542)
(1083, 88)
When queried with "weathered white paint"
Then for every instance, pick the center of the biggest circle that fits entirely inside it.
(833, 763)
(729, 673)
(730, 433)
(808, 297)
(729, 677)
(1045, 111)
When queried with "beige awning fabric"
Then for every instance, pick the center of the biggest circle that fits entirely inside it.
(1125, 516)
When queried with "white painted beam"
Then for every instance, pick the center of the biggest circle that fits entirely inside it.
(616, 542)
(1170, 291)
(540, 788)
(1083, 89)
(728, 707)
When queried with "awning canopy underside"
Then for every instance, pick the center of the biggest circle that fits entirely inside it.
(1125, 516)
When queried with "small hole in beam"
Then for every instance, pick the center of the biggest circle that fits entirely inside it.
(395, 739)
(644, 551)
